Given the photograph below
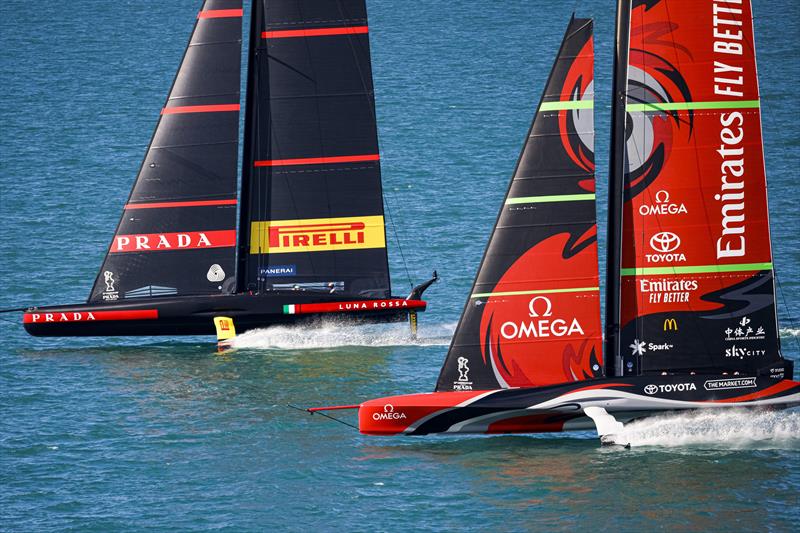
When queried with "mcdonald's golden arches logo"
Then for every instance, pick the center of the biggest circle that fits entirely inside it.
(670, 324)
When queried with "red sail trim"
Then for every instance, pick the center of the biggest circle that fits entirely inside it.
(220, 13)
(166, 242)
(317, 160)
(199, 203)
(199, 109)
(316, 32)
(88, 316)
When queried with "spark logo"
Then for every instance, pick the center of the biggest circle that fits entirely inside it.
(317, 234)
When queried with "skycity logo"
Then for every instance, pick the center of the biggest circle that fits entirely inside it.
(665, 243)
(540, 309)
(662, 206)
(736, 351)
(388, 414)
(319, 234)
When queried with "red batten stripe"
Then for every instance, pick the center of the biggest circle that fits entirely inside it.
(88, 316)
(348, 30)
(317, 160)
(220, 13)
(199, 109)
(199, 203)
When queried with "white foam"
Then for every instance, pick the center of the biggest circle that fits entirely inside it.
(734, 428)
(332, 335)
(790, 332)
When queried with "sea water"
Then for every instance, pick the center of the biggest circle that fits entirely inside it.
(109, 434)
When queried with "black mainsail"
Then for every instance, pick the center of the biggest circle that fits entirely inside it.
(312, 212)
(310, 239)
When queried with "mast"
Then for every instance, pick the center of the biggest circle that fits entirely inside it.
(616, 186)
(250, 129)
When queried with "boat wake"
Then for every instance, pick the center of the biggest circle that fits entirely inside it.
(334, 335)
(727, 429)
(790, 332)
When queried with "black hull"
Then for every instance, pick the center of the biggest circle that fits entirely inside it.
(194, 315)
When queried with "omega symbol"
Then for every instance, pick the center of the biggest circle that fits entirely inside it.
(548, 307)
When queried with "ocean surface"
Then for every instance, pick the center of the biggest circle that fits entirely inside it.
(149, 434)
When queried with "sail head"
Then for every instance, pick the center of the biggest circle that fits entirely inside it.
(533, 315)
(177, 234)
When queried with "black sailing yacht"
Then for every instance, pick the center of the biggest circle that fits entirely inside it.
(311, 235)
(691, 310)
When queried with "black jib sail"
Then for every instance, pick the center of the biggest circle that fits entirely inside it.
(177, 234)
(533, 315)
(312, 205)
(696, 290)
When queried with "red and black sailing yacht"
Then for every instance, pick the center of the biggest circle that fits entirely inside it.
(311, 235)
(691, 317)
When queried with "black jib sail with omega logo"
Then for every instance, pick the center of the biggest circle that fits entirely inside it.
(533, 315)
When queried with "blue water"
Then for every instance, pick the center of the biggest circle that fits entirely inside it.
(111, 434)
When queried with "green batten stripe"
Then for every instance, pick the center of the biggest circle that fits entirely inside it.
(567, 104)
(543, 291)
(701, 269)
(288, 309)
(552, 198)
(680, 106)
